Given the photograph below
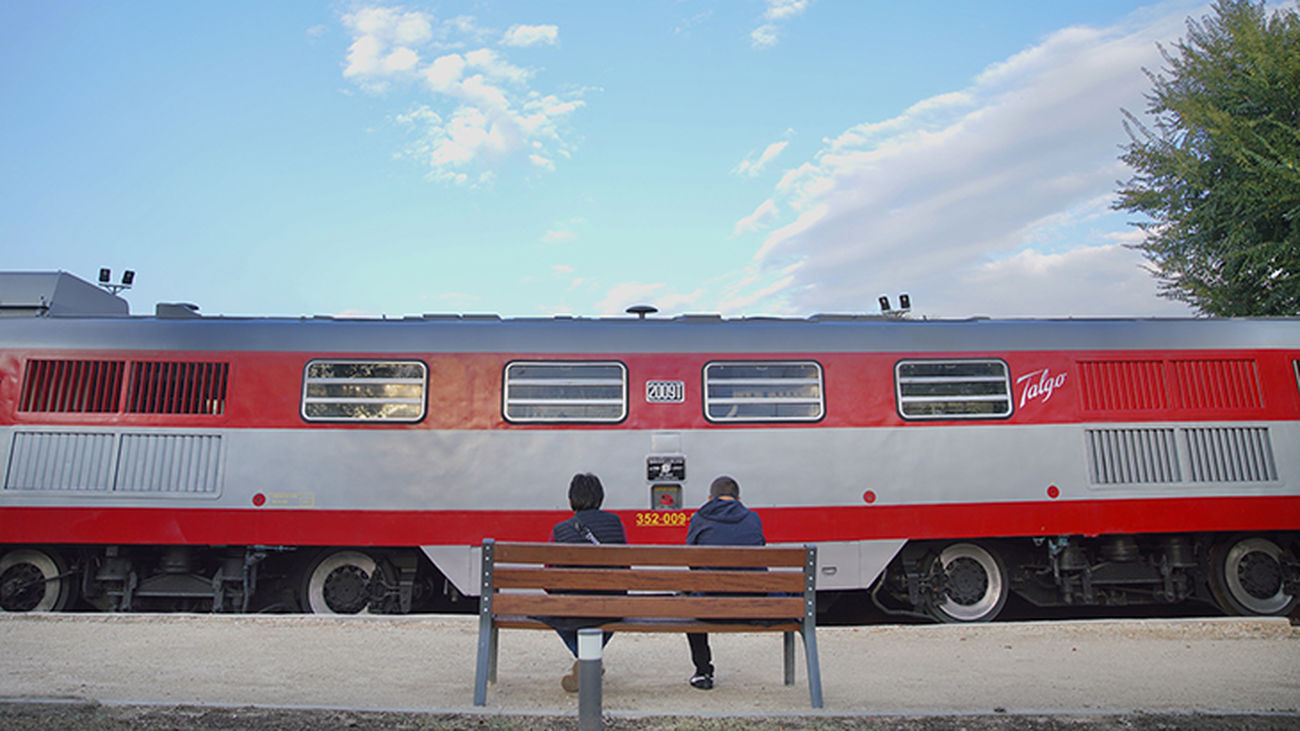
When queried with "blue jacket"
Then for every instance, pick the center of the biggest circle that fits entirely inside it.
(722, 522)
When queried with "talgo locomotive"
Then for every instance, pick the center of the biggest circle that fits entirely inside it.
(187, 462)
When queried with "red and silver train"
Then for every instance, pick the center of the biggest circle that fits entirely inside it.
(195, 463)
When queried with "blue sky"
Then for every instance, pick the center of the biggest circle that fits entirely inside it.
(744, 157)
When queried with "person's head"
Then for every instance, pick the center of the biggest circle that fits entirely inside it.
(724, 487)
(585, 492)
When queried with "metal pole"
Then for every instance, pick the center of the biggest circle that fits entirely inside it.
(590, 644)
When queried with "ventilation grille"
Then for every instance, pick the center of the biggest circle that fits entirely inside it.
(1126, 456)
(1216, 384)
(169, 463)
(1165, 456)
(1230, 454)
(115, 463)
(61, 461)
(1148, 385)
(72, 386)
(177, 388)
(1118, 385)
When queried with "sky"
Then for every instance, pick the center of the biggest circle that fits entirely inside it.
(530, 159)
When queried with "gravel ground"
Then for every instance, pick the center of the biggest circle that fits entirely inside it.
(309, 672)
(81, 716)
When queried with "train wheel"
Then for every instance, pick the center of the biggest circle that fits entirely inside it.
(1246, 577)
(338, 582)
(32, 580)
(976, 583)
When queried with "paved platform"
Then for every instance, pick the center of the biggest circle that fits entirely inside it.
(427, 664)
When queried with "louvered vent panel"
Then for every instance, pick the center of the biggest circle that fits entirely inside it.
(170, 463)
(61, 461)
(1230, 454)
(1122, 385)
(1217, 384)
(1131, 456)
(72, 386)
(177, 388)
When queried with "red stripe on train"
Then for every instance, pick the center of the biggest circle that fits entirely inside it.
(287, 527)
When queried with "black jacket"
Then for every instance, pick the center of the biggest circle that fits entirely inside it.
(606, 527)
(725, 523)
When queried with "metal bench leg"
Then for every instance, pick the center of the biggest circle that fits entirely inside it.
(483, 667)
(787, 640)
(814, 668)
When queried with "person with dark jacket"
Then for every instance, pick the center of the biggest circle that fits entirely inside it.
(589, 524)
(722, 521)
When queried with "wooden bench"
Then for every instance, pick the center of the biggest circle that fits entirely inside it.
(663, 594)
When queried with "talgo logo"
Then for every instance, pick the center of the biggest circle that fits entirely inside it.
(1039, 384)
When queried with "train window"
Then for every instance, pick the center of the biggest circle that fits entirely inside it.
(72, 386)
(565, 391)
(364, 390)
(763, 391)
(953, 389)
(177, 388)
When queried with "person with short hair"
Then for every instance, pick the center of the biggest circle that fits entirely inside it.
(722, 521)
(589, 524)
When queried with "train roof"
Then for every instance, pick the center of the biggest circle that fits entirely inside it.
(688, 333)
(54, 294)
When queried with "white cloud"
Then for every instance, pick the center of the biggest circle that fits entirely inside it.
(751, 167)
(658, 294)
(383, 40)
(950, 199)
(764, 36)
(445, 72)
(1106, 280)
(775, 12)
(520, 36)
(761, 218)
(784, 9)
(554, 236)
(471, 110)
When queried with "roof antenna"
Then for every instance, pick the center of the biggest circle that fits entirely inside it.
(641, 310)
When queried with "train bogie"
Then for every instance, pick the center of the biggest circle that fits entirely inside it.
(969, 581)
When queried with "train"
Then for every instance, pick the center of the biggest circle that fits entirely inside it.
(181, 461)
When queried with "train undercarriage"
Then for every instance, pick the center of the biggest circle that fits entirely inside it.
(224, 579)
(971, 581)
(951, 581)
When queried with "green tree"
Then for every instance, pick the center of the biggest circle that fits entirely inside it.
(1217, 167)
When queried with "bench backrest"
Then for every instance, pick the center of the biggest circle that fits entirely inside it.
(642, 581)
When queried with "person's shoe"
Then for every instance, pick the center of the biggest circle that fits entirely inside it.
(702, 681)
(570, 681)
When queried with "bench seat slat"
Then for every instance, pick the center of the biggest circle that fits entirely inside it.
(558, 605)
(676, 626)
(596, 579)
(583, 554)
